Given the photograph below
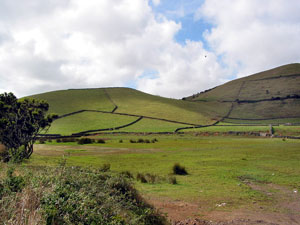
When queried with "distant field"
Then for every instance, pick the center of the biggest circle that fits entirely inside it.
(216, 165)
(228, 128)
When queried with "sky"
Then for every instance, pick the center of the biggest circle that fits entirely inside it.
(171, 48)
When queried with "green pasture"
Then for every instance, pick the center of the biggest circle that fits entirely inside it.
(217, 166)
(227, 128)
(135, 102)
(151, 125)
(88, 121)
(68, 101)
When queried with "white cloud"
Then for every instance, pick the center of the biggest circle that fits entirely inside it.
(79, 43)
(59, 44)
(253, 35)
(156, 2)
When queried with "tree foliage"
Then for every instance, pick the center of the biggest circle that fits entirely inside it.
(20, 123)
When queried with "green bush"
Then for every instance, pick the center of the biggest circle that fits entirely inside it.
(172, 180)
(101, 141)
(73, 195)
(105, 167)
(83, 141)
(179, 170)
(140, 140)
(127, 174)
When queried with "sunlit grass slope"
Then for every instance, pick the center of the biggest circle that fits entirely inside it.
(88, 121)
(136, 102)
(276, 82)
(150, 125)
(67, 101)
(272, 94)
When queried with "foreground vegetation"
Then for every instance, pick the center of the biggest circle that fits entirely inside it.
(217, 166)
(71, 195)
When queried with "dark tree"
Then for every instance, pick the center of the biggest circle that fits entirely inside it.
(21, 121)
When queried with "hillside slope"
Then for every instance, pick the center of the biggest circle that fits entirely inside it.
(109, 109)
(269, 95)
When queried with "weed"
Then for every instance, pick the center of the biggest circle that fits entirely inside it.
(101, 141)
(105, 167)
(83, 141)
(179, 170)
(172, 180)
(127, 174)
(140, 140)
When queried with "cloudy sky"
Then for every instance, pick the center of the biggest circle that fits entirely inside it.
(172, 48)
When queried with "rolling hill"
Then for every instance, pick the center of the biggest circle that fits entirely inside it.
(268, 97)
(272, 95)
(124, 109)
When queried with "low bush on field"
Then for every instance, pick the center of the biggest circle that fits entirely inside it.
(179, 170)
(101, 141)
(83, 141)
(153, 178)
(127, 174)
(141, 140)
(72, 195)
(105, 167)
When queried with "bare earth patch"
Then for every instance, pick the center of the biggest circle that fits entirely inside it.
(285, 211)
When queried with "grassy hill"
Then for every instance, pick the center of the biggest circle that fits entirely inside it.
(269, 95)
(117, 108)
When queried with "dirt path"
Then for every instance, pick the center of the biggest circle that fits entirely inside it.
(284, 211)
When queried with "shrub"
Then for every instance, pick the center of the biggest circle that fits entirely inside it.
(151, 178)
(68, 140)
(42, 141)
(147, 141)
(105, 167)
(127, 174)
(141, 177)
(101, 141)
(58, 140)
(140, 140)
(172, 180)
(83, 141)
(13, 183)
(132, 141)
(121, 141)
(74, 195)
(179, 170)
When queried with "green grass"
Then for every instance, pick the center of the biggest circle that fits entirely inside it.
(214, 164)
(150, 125)
(88, 121)
(67, 101)
(272, 121)
(135, 102)
(287, 130)
(261, 110)
(281, 86)
(230, 128)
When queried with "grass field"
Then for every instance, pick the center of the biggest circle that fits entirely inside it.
(216, 165)
(150, 125)
(135, 102)
(88, 121)
(67, 101)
